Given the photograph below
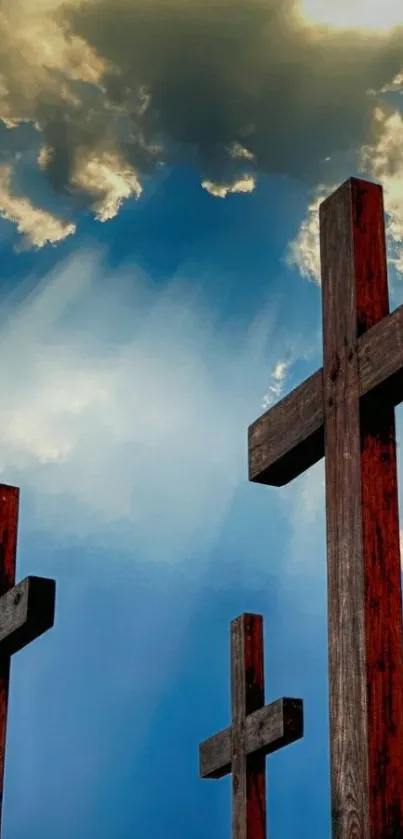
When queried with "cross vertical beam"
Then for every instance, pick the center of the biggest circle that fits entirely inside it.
(9, 507)
(363, 556)
(247, 696)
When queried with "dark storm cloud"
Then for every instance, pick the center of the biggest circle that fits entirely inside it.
(239, 87)
(240, 71)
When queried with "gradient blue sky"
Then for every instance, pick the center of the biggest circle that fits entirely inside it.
(139, 337)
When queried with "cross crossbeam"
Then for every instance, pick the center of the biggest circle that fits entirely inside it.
(289, 437)
(345, 411)
(256, 730)
(26, 610)
(266, 730)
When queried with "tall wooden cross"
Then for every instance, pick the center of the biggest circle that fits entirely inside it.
(256, 730)
(26, 610)
(345, 411)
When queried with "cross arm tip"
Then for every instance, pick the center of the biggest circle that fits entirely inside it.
(288, 438)
(26, 612)
(215, 755)
(293, 719)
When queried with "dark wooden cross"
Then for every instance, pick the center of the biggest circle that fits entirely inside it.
(26, 610)
(256, 730)
(345, 411)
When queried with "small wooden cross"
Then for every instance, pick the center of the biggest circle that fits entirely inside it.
(345, 411)
(257, 730)
(26, 610)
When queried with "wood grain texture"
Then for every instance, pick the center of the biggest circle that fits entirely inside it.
(266, 730)
(9, 504)
(364, 593)
(26, 612)
(380, 525)
(255, 731)
(289, 438)
(346, 630)
(247, 695)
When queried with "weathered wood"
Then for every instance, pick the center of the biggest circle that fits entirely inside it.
(26, 612)
(289, 437)
(247, 695)
(346, 619)
(9, 504)
(266, 730)
(364, 588)
(256, 730)
(346, 411)
(364, 576)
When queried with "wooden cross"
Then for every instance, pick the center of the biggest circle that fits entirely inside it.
(26, 610)
(256, 730)
(345, 411)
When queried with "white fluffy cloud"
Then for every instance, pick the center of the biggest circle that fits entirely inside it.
(221, 190)
(277, 382)
(303, 251)
(38, 227)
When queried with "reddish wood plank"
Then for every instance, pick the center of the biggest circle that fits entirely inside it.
(247, 696)
(9, 505)
(381, 550)
(364, 592)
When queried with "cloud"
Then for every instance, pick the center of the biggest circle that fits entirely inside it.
(383, 160)
(130, 411)
(277, 381)
(353, 14)
(221, 190)
(380, 161)
(109, 179)
(114, 88)
(303, 251)
(38, 227)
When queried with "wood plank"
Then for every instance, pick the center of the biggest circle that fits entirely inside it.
(289, 437)
(381, 549)
(247, 695)
(266, 730)
(9, 503)
(354, 294)
(26, 612)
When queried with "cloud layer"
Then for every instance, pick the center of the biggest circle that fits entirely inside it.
(127, 409)
(113, 88)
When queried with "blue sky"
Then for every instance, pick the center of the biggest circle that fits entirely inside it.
(160, 173)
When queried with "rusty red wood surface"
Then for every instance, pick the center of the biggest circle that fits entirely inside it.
(364, 575)
(381, 548)
(9, 505)
(247, 692)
